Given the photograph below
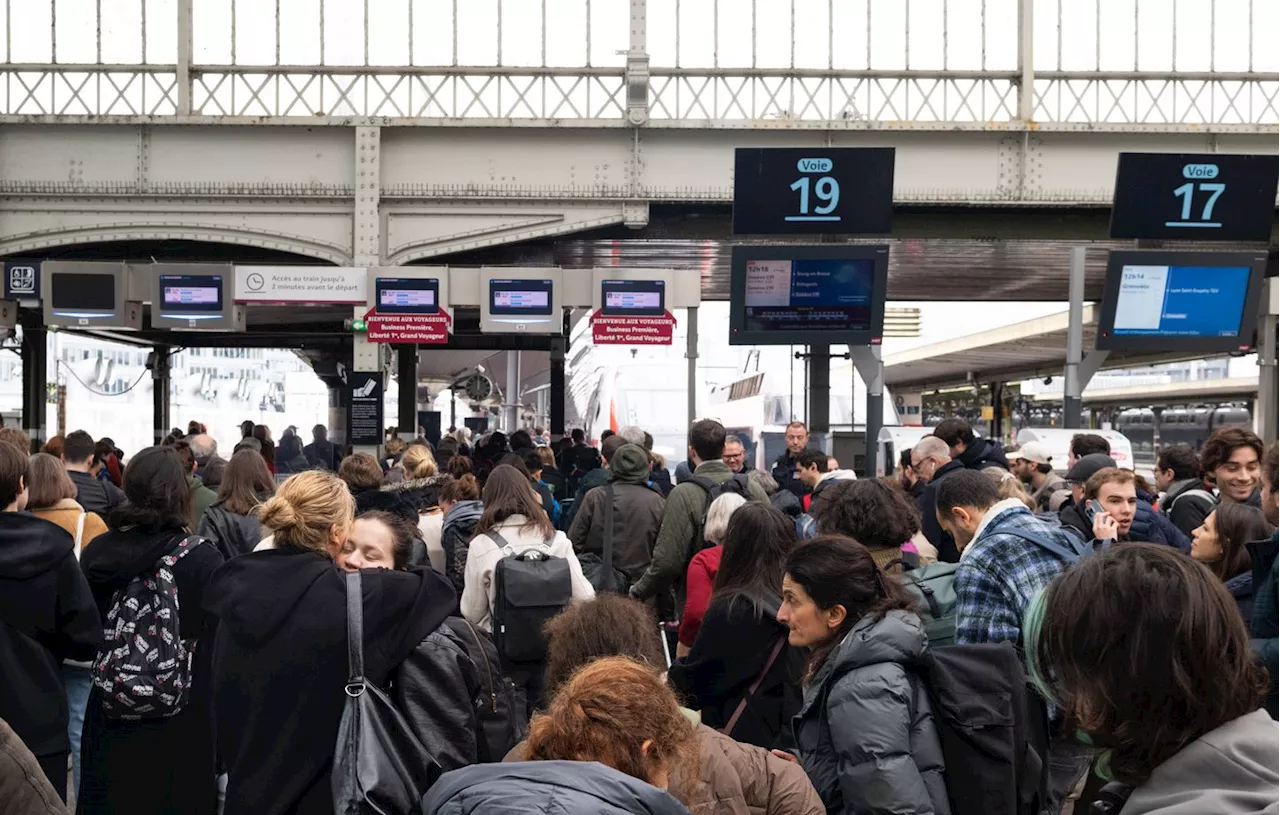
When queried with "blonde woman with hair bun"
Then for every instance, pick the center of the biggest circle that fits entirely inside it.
(280, 658)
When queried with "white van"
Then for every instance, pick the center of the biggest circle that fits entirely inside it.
(1058, 440)
(892, 441)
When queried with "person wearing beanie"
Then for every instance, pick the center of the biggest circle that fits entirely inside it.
(637, 513)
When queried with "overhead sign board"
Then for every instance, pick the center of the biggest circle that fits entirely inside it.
(812, 191)
(632, 330)
(88, 294)
(288, 285)
(632, 307)
(22, 280)
(520, 301)
(364, 408)
(1194, 197)
(408, 305)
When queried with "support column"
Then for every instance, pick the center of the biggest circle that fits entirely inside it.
(1072, 398)
(555, 393)
(366, 248)
(869, 363)
(637, 66)
(997, 411)
(691, 354)
(160, 393)
(407, 401)
(819, 394)
(1268, 381)
(1026, 63)
(184, 57)
(35, 376)
(511, 402)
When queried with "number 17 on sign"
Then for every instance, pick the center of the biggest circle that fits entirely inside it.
(825, 189)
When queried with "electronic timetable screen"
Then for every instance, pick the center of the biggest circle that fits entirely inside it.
(83, 295)
(520, 298)
(407, 295)
(1180, 301)
(191, 296)
(640, 298)
(814, 294)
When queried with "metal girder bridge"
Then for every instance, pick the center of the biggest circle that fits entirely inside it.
(216, 132)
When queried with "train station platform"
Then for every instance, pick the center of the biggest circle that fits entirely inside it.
(1032, 349)
(1171, 393)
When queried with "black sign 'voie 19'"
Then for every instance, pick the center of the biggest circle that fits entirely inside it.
(812, 191)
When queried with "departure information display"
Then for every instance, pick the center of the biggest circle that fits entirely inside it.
(799, 295)
(408, 295)
(191, 296)
(1180, 301)
(83, 295)
(520, 298)
(641, 298)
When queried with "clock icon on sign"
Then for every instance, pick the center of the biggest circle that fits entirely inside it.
(255, 282)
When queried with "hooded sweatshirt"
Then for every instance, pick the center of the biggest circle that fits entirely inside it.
(561, 787)
(1227, 771)
(280, 664)
(46, 615)
(984, 453)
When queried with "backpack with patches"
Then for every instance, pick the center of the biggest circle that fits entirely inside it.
(144, 667)
(736, 485)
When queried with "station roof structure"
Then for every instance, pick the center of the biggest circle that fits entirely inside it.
(1169, 393)
(1027, 350)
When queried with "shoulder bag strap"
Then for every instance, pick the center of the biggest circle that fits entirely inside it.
(755, 686)
(80, 533)
(607, 555)
(355, 634)
(497, 538)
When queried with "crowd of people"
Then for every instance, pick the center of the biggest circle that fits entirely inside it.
(501, 624)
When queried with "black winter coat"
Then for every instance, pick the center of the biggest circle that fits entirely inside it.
(232, 533)
(159, 766)
(280, 665)
(732, 648)
(927, 503)
(459, 527)
(46, 615)
(422, 493)
(984, 453)
(96, 495)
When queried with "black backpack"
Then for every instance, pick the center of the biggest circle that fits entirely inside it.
(501, 708)
(530, 588)
(737, 484)
(993, 728)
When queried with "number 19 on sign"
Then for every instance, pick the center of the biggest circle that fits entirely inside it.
(826, 191)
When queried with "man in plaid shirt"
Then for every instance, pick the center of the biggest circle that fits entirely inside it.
(1007, 555)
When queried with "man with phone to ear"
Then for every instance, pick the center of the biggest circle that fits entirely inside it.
(1106, 500)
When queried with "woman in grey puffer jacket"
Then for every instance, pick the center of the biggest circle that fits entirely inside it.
(865, 733)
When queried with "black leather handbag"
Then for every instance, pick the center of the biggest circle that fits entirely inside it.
(379, 766)
(599, 570)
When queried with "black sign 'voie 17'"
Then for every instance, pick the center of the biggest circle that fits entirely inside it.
(812, 190)
(1194, 197)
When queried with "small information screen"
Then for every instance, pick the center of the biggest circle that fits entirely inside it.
(520, 298)
(1194, 197)
(191, 296)
(408, 295)
(1180, 301)
(639, 298)
(83, 295)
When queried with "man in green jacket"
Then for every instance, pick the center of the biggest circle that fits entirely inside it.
(1264, 628)
(201, 496)
(680, 537)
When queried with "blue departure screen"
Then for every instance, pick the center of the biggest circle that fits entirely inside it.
(1180, 301)
(808, 295)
